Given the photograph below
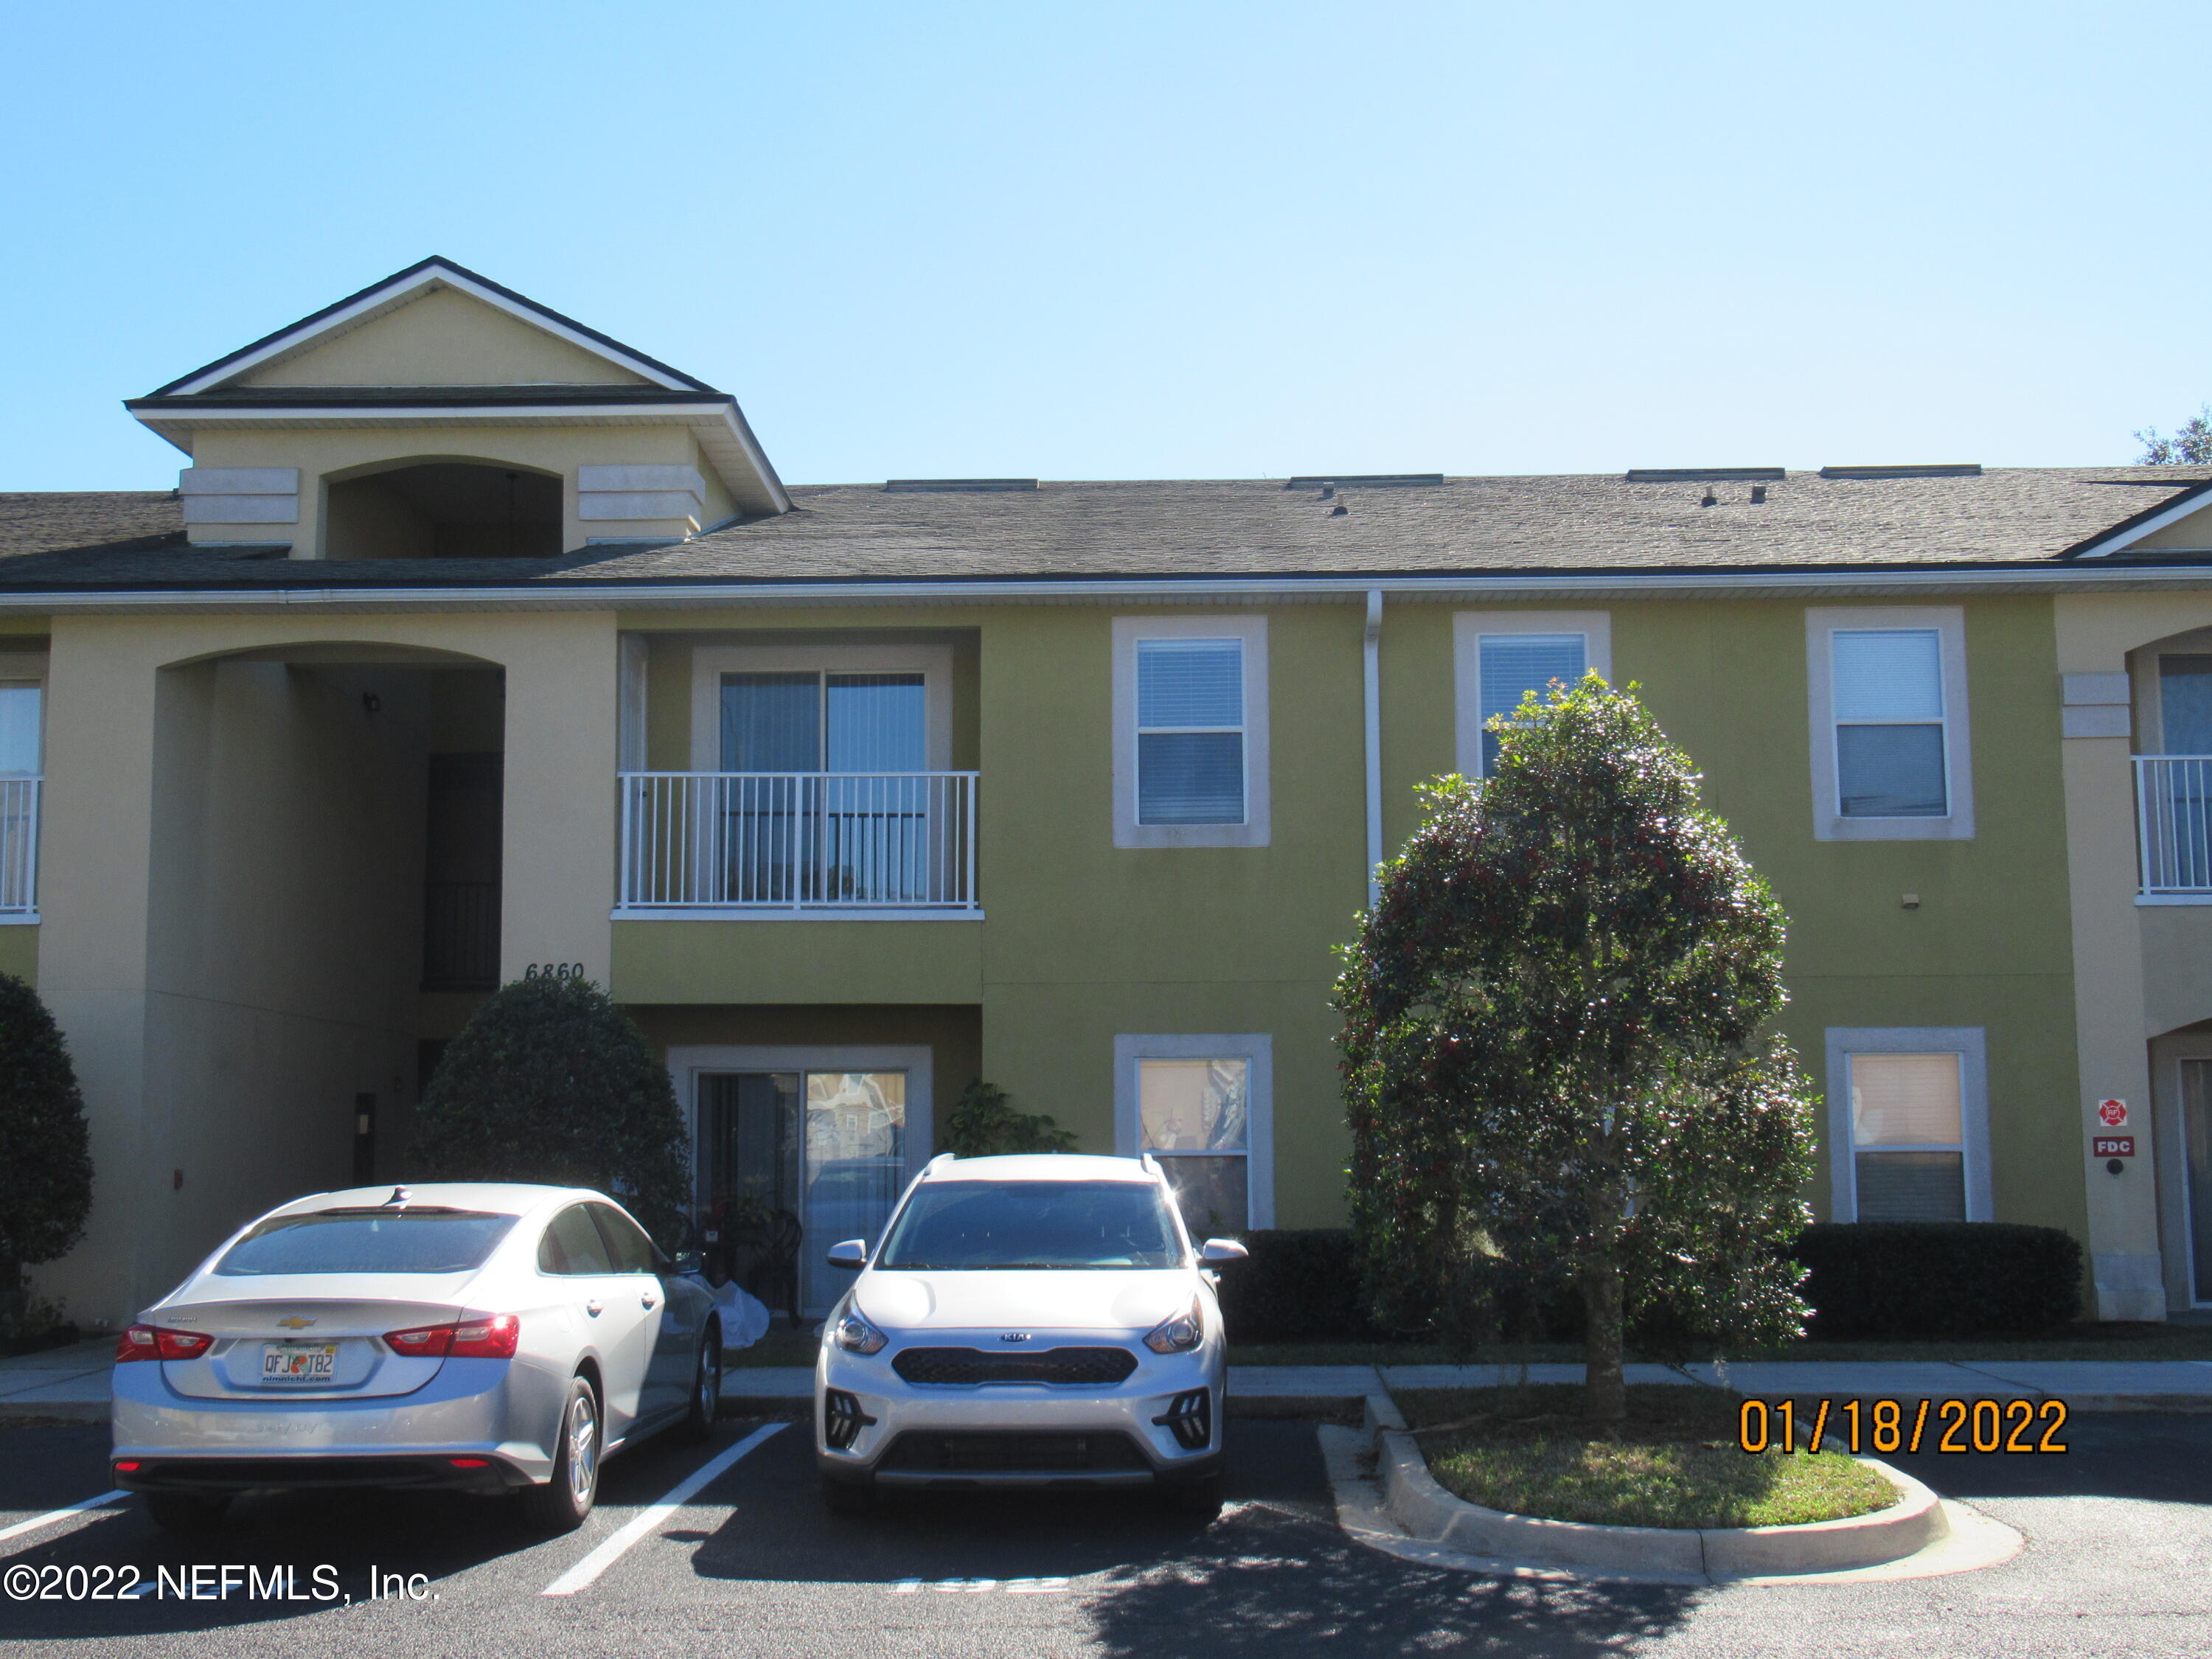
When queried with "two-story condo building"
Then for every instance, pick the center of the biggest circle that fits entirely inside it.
(474, 642)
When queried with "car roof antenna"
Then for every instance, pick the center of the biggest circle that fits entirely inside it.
(398, 1195)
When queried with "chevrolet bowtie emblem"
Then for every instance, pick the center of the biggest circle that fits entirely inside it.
(296, 1323)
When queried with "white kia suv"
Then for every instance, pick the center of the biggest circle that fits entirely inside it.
(1026, 1322)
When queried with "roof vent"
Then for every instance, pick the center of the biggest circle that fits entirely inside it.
(958, 486)
(1699, 474)
(1945, 470)
(1365, 480)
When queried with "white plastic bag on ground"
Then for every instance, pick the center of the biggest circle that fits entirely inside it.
(744, 1318)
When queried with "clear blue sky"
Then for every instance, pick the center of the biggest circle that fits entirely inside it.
(1157, 241)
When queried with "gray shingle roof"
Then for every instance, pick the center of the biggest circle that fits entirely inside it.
(1581, 524)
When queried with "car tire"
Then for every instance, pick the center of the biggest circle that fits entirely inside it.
(561, 1503)
(1200, 1499)
(848, 1497)
(187, 1513)
(706, 1388)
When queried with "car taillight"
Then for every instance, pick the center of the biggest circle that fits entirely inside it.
(152, 1342)
(491, 1337)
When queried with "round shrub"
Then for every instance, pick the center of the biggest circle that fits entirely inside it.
(550, 1082)
(46, 1151)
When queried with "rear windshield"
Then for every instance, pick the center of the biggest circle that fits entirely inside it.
(358, 1241)
(984, 1225)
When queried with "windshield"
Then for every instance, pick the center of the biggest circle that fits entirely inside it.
(965, 1225)
(367, 1242)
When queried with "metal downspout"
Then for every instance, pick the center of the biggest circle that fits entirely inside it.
(1372, 674)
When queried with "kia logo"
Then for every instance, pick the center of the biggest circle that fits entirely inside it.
(1015, 1336)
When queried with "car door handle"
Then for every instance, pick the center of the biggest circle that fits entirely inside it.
(592, 1309)
(648, 1300)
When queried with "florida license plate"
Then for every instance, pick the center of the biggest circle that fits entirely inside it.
(299, 1363)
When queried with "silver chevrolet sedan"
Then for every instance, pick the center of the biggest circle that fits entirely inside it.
(1027, 1321)
(477, 1337)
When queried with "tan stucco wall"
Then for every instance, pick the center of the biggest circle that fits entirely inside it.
(153, 1049)
(349, 452)
(445, 337)
(2139, 970)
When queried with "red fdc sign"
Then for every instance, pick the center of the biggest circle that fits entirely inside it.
(2112, 1113)
(2111, 1146)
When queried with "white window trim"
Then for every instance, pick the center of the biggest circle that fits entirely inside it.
(1467, 628)
(1257, 1050)
(709, 663)
(1970, 1043)
(1252, 631)
(1949, 623)
(687, 1063)
(630, 672)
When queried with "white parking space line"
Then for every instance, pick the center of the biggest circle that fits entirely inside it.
(980, 1586)
(52, 1515)
(580, 1576)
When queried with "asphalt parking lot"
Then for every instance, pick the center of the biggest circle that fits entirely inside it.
(2119, 1562)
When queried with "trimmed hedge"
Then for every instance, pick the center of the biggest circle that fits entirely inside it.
(1299, 1285)
(1939, 1278)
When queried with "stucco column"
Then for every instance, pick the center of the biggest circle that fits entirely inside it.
(2095, 633)
(95, 863)
(562, 698)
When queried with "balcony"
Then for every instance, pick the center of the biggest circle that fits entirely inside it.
(2174, 826)
(853, 844)
(18, 849)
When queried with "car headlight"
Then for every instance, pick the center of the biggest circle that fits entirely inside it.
(855, 1335)
(1179, 1333)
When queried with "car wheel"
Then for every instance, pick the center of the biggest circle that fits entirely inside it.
(706, 1388)
(848, 1497)
(187, 1513)
(1200, 1500)
(561, 1503)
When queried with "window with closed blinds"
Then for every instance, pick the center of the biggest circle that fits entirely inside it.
(1889, 700)
(1908, 1137)
(1190, 730)
(1194, 1116)
(1510, 665)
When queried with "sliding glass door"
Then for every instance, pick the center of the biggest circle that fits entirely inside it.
(792, 1163)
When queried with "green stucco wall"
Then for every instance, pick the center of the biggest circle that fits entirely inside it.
(19, 952)
(1084, 941)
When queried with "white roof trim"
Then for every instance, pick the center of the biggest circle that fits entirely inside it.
(1457, 587)
(2173, 514)
(390, 296)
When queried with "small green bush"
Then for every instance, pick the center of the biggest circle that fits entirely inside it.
(1298, 1286)
(983, 1125)
(1939, 1278)
(45, 1149)
(550, 1082)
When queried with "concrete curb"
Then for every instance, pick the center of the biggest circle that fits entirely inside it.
(1412, 1497)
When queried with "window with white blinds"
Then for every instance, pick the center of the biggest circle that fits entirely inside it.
(1190, 730)
(1886, 700)
(1508, 666)
(1908, 1137)
(1888, 691)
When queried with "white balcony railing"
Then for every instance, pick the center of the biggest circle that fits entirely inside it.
(798, 841)
(2173, 823)
(19, 847)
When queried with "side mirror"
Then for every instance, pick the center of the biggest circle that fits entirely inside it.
(1215, 1250)
(689, 1261)
(853, 1253)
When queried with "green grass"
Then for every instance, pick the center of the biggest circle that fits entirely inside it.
(1675, 1462)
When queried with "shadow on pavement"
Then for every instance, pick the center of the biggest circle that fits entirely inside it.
(2163, 1457)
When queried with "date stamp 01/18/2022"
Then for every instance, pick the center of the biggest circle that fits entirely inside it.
(1902, 1425)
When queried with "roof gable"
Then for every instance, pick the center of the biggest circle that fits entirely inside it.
(434, 323)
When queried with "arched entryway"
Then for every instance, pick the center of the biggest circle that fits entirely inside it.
(440, 506)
